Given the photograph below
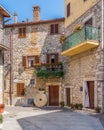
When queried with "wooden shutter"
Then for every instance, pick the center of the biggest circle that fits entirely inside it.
(24, 61)
(52, 29)
(48, 58)
(19, 32)
(24, 32)
(36, 59)
(20, 89)
(56, 58)
(56, 28)
(68, 10)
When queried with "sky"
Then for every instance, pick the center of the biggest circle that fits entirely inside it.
(50, 9)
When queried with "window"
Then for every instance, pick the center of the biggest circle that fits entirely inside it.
(22, 32)
(54, 29)
(32, 82)
(20, 89)
(29, 61)
(68, 10)
(52, 58)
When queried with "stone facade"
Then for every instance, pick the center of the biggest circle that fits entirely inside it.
(38, 41)
(2, 48)
(85, 66)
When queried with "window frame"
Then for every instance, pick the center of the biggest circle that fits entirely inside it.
(25, 60)
(32, 83)
(54, 29)
(22, 32)
(49, 58)
(68, 9)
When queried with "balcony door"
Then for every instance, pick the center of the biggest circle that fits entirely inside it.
(52, 58)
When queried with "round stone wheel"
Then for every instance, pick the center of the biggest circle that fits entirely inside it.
(40, 100)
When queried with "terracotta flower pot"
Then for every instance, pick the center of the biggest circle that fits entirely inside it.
(2, 106)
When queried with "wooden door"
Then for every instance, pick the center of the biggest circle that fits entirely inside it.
(91, 93)
(54, 95)
(20, 89)
(68, 96)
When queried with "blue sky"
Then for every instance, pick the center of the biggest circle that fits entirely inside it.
(50, 9)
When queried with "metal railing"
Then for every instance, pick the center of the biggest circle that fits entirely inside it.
(86, 33)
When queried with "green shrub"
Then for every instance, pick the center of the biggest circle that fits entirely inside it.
(62, 103)
(77, 28)
(80, 106)
(49, 74)
(97, 109)
(77, 106)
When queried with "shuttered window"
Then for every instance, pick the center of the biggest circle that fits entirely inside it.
(29, 61)
(52, 58)
(20, 89)
(54, 29)
(68, 10)
(22, 32)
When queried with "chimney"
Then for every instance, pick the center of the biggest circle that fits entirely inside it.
(36, 13)
(15, 17)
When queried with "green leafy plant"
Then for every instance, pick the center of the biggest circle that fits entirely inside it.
(80, 106)
(1, 118)
(77, 28)
(62, 39)
(62, 103)
(49, 74)
(97, 109)
(76, 106)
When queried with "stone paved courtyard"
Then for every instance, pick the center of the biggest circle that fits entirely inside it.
(31, 118)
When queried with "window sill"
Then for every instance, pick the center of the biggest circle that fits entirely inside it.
(54, 33)
(20, 96)
(21, 36)
(30, 68)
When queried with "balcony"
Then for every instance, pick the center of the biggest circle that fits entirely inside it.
(81, 41)
(49, 70)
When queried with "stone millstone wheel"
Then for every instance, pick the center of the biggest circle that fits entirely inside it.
(40, 100)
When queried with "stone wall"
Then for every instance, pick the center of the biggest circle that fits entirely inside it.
(85, 66)
(38, 41)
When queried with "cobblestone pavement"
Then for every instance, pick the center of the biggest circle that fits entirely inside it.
(31, 118)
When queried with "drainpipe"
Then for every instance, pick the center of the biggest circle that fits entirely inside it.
(10, 91)
(102, 53)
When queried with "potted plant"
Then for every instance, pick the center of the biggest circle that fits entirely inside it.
(80, 106)
(97, 109)
(62, 104)
(62, 39)
(1, 121)
(77, 28)
(2, 106)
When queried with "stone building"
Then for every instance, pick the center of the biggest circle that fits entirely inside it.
(3, 47)
(36, 60)
(83, 47)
